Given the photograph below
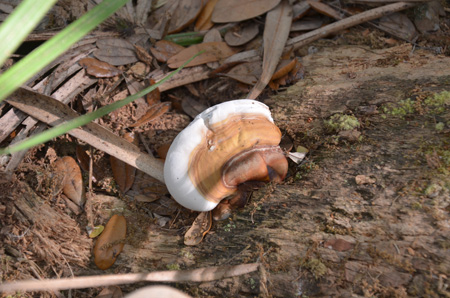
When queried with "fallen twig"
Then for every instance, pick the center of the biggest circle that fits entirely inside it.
(49, 110)
(304, 39)
(196, 275)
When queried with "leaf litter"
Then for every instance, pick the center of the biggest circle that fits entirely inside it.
(256, 66)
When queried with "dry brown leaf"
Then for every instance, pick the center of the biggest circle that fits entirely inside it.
(200, 227)
(110, 243)
(283, 68)
(142, 55)
(123, 173)
(247, 73)
(155, 96)
(240, 35)
(153, 113)
(227, 11)
(110, 292)
(276, 32)
(148, 186)
(399, 25)
(214, 51)
(428, 19)
(164, 49)
(83, 159)
(213, 35)
(204, 19)
(115, 51)
(325, 9)
(294, 74)
(72, 183)
(163, 149)
(300, 9)
(307, 24)
(99, 68)
(186, 13)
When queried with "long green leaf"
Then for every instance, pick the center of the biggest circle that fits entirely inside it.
(50, 50)
(84, 119)
(20, 23)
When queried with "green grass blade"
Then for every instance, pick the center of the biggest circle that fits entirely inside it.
(82, 120)
(23, 70)
(20, 23)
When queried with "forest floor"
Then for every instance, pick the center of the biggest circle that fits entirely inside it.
(365, 214)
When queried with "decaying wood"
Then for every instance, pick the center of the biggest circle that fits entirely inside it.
(53, 112)
(51, 235)
(195, 275)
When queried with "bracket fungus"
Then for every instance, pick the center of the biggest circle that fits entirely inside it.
(223, 147)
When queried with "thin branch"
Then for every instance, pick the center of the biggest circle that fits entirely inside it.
(196, 275)
(304, 39)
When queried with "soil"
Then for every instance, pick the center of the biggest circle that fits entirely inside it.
(365, 214)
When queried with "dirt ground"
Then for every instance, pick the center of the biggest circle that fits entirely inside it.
(365, 215)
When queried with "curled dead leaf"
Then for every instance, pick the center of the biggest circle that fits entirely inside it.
(153, 97)
(143, 55)
(200, 227)
(153, 113)
(283, 68)
(110, 243)
(123, 173)
(163, 149)
(204, 19)
(99, 68)
(72, 183)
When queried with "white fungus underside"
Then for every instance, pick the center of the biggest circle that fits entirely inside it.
(176, 165)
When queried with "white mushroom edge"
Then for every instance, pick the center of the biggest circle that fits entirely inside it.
(176, 165)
